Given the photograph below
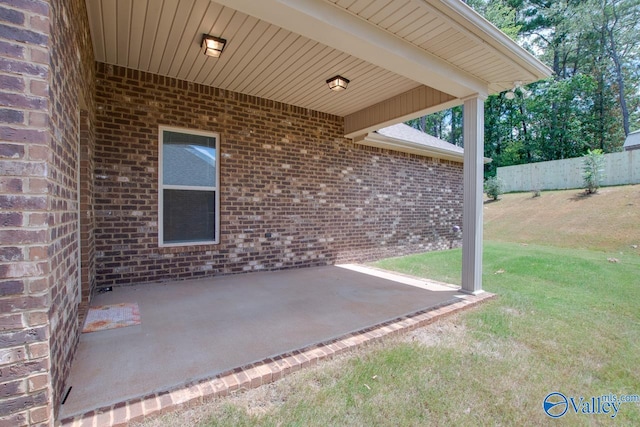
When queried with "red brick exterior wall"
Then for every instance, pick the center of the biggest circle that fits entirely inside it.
(87, 218)
(294, 191)
(72, 91)
(46, 73)
(24, 201)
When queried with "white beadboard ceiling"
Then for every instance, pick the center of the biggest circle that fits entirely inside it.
(269, 61)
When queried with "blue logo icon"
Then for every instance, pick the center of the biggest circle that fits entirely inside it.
(555, 404)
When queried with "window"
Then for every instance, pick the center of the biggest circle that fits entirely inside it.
(188, 202)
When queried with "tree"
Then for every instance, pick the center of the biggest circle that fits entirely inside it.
(494, 187)
(563, 116)
(500, 14)
(446, 125)
(593, 170)
(592, 46)
(618, 23)
(591, 102)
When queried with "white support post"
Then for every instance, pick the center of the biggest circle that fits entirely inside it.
(473, 134)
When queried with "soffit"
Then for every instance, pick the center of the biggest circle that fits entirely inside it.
(284, 50)
(259, 59)
(452, 31)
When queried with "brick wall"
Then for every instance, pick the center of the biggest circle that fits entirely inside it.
(87, 219)
(45, 64)
(72, 89)
(294, 192)
(24, 240)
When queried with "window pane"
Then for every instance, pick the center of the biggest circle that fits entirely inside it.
(188, 159)
(189, 216)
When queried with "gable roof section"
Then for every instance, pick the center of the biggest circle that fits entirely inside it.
(404, 138)
(407, 133)
(633, 141)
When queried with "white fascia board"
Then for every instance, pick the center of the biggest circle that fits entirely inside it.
(381, 141)
(325, 23)
(404, 146)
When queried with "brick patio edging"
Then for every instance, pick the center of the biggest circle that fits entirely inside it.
(263, 372)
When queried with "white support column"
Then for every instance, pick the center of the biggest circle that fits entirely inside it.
(473, 134)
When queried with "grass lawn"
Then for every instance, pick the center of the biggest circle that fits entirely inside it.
(566, 320)
(606, 221)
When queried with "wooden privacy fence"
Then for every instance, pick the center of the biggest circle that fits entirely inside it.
(619, 169)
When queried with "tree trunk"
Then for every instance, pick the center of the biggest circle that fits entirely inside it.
(620, 80)
(556, 62)
(600, 95)
(452, 136)
(525, 134)
(600, 106)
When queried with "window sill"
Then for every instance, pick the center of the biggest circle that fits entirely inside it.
(188, 247)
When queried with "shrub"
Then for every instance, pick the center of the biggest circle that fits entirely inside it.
(593, 170)
(535, 193)
(493, 187)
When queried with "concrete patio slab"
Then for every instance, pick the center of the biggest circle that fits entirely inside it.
(202, 329)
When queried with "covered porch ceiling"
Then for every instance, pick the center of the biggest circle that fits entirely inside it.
(404, 58)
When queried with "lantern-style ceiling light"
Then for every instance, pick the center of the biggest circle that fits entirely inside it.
(337, 83)
(212, 46)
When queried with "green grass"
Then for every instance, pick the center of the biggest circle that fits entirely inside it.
(571, 317)
(566, 319)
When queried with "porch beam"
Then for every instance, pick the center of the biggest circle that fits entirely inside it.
(332, 26)
(417, 102)
(473, 136)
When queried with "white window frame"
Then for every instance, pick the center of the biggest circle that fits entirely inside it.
(162, 187)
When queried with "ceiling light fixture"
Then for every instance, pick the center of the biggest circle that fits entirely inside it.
(212, 46)
(337, 83)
